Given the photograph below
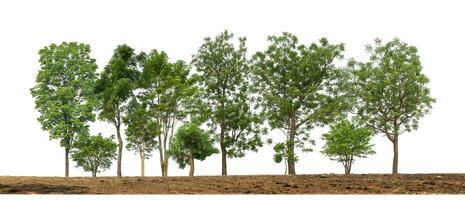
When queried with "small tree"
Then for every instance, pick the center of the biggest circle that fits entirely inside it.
(345, 142)
(189, 143)
(141, 131)
(94, 153)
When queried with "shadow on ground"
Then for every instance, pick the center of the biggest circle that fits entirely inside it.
(41, 189)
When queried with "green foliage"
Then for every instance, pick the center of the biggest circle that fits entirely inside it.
(166, 87)
(190, 138)
(299, 88)
(226, 104)
(391, 89)
(142, 130)
(116, 84)
(94, 153)
(64, 90)
(345, 142)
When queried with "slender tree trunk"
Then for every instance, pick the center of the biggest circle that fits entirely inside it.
(191, 163)
(224, 167)
(94, 173)
(160, 151)
(395, 160)
(120, 148)
(290, 146)
(165, 167)
(67, 162)
(142, 163)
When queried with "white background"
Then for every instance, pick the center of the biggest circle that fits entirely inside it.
(178, 27)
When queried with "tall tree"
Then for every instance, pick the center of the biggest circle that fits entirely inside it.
(299, 89)
(114, 87)
(63, 93)
(190, 143)
(167, 89)
(347, 141)
(94, 153)
(225, 91)
(392, 91)
(141, 132)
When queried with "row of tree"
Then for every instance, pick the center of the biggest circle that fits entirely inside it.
(289, 87)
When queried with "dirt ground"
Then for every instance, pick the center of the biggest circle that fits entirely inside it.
(276, 184)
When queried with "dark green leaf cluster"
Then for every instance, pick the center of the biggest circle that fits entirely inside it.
(190, 138)
(94, 153)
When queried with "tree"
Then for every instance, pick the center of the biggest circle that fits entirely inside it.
(141, 131)
(167, 89)
(224, 76)
(299, 88)
(114, 87)
(189, 143)
(347, 141)
(63, 93)
(392, 93)
(94, 153)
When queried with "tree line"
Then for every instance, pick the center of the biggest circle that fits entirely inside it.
(182, 110)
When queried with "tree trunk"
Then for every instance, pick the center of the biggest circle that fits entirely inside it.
(395, 160)
(191, 163)
(165, 167)
(120, 148)
(224, 167)
(290, 146)
(67, 162)
(94, 173)
(142, 163)
(347, 168)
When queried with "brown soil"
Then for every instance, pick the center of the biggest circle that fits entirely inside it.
(299, 184)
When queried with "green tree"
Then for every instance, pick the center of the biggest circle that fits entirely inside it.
(299, 88)
(141, 131)
(347, 141)
(167, 90)
(392, 92)
(94, 153)
(191, 142)
(114, 87)
(224, 76)
(63, 93)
